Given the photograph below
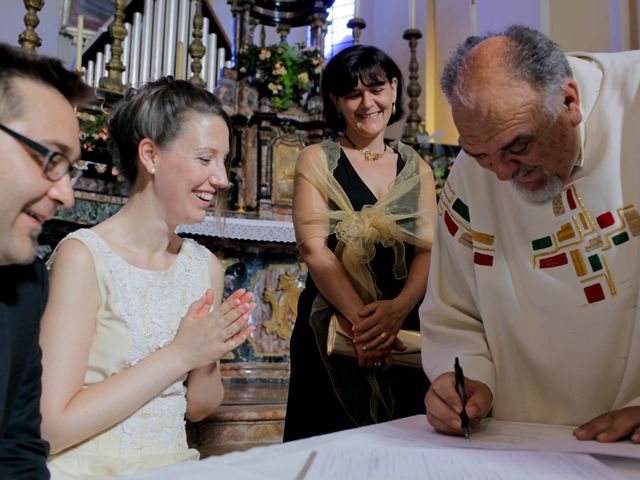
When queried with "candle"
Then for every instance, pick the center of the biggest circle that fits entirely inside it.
(180, 61)
(474, 20)
(145, 49)
(357, 10)
(79, 43)
(220, 63)
(136, 33)
(212, 52)
(413, 13)
(99, 69)
(106, 59)
(170, 38)
(126, 54)
(158, 35)
(90, 70)
(184, 15)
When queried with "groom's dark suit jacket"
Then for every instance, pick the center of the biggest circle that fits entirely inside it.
(23, 296)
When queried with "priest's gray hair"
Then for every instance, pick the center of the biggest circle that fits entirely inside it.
(532, 56)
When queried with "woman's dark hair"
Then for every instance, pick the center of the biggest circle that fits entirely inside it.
(359, 63)
(156, 111)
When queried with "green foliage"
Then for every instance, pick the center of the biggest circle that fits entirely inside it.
(440, 164)
(439, 156)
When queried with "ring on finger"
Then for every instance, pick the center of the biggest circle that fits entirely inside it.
(377, 364)
(384, 335)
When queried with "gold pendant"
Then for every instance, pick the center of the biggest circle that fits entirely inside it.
(370, 156)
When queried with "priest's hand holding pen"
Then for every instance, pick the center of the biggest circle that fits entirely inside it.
(464, 419)
(452, 397)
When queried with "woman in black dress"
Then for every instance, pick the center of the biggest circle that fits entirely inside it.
(364, 213)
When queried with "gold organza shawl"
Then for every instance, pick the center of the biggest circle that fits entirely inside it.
(405, 214)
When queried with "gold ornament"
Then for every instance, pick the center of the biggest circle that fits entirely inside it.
(368, 155)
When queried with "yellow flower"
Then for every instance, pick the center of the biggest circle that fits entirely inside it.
(274, 87)
(264, 54)
(279, 69)
(304, 77)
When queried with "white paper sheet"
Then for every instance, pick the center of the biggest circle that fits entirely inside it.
(495, 434)
(286, 461)
(347, 463)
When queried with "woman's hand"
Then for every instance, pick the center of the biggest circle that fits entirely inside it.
(380, 322)
(373, 359)
(204, 337)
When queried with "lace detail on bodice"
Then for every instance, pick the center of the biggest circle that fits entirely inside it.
(151, 304)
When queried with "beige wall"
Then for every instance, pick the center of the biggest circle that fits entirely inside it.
(588, 25)
(581, 24)
(386, 22)
(457, 15)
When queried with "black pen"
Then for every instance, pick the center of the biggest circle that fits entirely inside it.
(460, 388)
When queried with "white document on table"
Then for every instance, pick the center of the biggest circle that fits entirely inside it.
(496, 434)
(350, 463)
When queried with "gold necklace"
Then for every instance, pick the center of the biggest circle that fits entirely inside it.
(368, 155)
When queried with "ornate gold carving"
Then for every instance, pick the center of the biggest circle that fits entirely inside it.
(29, 38)
(285, 306)
(285, 152)
(319, 29)
(414, 120)
(118, 32)
(276, 289)
(263, 36)
(356, 25)
(283, 30)
(196, 49)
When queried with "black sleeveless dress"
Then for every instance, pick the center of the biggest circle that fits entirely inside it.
(313, 407)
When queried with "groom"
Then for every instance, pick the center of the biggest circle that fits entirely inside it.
(38, 145)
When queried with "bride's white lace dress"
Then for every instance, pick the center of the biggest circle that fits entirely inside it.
(140, 311)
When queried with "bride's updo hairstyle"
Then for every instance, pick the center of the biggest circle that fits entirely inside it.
(156, 111)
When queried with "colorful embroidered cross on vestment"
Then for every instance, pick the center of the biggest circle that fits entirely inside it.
(584, 243)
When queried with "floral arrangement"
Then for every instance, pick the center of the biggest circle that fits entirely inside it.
(283, 73)
(94, 136)
(94, 132)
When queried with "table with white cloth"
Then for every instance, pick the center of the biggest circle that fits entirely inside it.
(288, 460)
